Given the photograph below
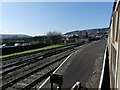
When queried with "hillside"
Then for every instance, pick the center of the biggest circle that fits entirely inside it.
(5, 36)
(89, 31)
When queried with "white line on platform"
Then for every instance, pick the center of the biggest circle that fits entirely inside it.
(76, 51)
(54, 71)
(102, 73)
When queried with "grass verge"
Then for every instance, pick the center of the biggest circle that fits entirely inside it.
(32, 51)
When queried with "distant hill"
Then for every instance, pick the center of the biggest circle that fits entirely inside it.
(72, 32)
(90, 31)
(5, 36)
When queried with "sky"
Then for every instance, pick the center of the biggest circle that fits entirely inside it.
(38, 18)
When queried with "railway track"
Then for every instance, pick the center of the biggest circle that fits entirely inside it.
(18, 63)
(24, 73)
(15, 76)
(20, 58)
(34, 53)
(24, 59)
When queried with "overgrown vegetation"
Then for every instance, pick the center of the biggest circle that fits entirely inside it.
(54, 37)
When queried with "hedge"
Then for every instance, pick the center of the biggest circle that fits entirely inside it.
(15, 49)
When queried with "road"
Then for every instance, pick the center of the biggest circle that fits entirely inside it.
(82, 66)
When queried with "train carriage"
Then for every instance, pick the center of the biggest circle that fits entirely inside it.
(114, 47)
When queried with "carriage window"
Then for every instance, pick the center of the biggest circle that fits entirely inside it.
(113, 30)
(115, 27)
(114, 52)
(117, 24)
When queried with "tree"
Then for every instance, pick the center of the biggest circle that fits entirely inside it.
(54, 37)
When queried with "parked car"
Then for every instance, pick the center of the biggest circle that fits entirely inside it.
(18, 44)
